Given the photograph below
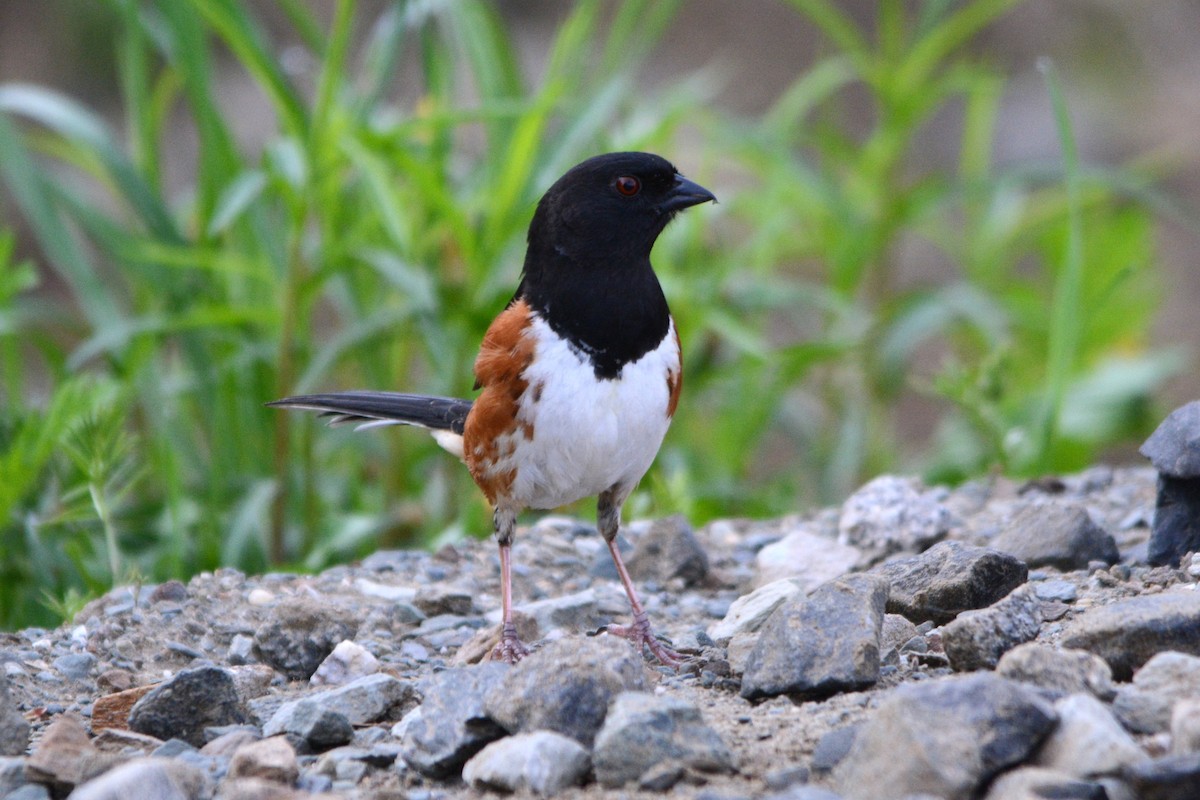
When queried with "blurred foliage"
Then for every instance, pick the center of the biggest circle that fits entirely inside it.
(372, 238)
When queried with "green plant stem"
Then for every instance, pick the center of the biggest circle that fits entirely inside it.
(110, 531)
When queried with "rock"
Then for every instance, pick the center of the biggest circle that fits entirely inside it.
(1146, 705)
(75, 666)
(1174, 447)
(748, 613)
(14, 730)
(1088, 742)
(1185, 726)
(184, 705)
(566, 687)
(259, 789)
(347, 662)
(435, 601)
(12, 774)
(1059, 670)
(541, 762)
(231, 741)
(30, 791)
(949, 578)
(891, 515)
(360, 701)
(669, 550)
(112, 710)
(896, 632)
(1056, 535)
(1168, 778)
(147, 779)
(804, 793)
(1176, 529)
(1056, 591)
(821, 644)
(1174, 450)
(1039, 783)
(271, 759)
(299, 633)
(642, 731)
(832, 748)
(944, 737)
(319, 725)
(1128, 633)
(571, 612)
(977, 639)
(451, 724)
(65, 757)
(807, 558)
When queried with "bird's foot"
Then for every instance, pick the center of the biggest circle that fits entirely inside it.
(510, 649)
(640, 634)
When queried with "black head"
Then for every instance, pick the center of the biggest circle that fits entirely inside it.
(614, 204)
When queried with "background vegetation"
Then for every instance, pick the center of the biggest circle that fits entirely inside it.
(371, 240)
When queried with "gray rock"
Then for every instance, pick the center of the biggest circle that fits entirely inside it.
(669, 550)
(1146, 704)
(821, 644)
(944, 737)
(1185, 726)
(1059, 670)
(1176, 530)
(12, 774)
(146, 779)
(451, 724)
(365, 700)
(30, 791)
(271, 759)
(1168, 778)
(748, 613)
(1174, 447)
(75, 666)
(348, 661)
(892, 514)
(1128, 633)
(807, 558)
(1088, 741)
(571, 612)
(977, 639)
(805, 793)
(832, 748)
(14, 730)
(1039, 783)
(949, 578)
(319, 725)
(1056, 535)
(184, 705)
(642, 731)
(566, 687)
(542, 762)
(299, 633)
(436, 600)
(1056, 591)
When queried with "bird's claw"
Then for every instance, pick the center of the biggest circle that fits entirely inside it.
(510, 649)
(640, 633)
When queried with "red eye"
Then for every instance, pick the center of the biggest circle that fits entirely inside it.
(628, 185)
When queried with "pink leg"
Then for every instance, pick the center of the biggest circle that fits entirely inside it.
(639, 632)
(510, 648)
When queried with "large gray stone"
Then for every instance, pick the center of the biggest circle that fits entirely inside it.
(542, 762)
(643, 731)
(949, 578)
(944, 737)
(147, 779)
(363, 700)
(1176, 529)
(1059, 670)
(977, 639)
(184, 705)
(566, 687)
(748, 613)
(14, 730)
(1146, 704)
(669, 550)
(821, 644)
(451, 724)
(1174, 447)
(1056, 535)
(1088, 741)
(1128, 633)
(1168, 778)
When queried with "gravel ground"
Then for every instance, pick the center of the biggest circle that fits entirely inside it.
(988, 641)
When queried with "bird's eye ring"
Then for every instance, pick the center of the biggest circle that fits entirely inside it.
(628, 185)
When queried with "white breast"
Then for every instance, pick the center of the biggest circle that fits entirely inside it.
(589, 434)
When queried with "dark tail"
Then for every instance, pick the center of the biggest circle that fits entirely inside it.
(384, 408)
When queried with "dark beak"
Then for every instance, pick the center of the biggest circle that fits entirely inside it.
(685, 194)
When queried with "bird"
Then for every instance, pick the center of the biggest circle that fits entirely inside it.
(578, 376)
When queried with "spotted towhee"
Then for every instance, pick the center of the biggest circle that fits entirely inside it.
(580, 374)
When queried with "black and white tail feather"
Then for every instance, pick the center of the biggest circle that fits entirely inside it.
(444, 417)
